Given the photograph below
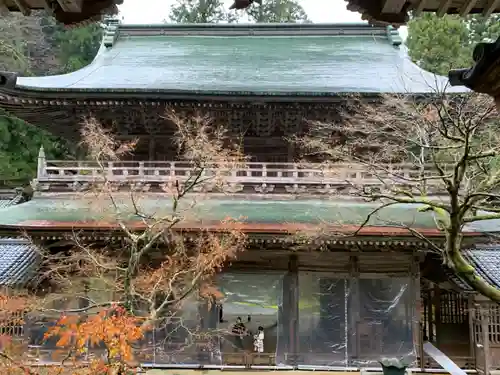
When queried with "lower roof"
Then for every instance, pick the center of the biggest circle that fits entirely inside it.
(19, 262)
(486, 261)
(255, 215)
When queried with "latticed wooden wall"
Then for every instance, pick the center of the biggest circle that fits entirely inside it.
(490, 312)
(12, 312)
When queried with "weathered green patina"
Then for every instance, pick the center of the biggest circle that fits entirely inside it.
(263, 59)
(48, 212)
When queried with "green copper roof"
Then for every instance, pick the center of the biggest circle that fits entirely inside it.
(44, 211)
(53, 212)
(256, 59)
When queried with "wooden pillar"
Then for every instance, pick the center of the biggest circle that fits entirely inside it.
(152, 150)
(486, 339)
(417, 308)
(288, 312)
(430, 313)
(436, 301)
(354, 314)
(291, 152)
(472, 338)
(293, 270)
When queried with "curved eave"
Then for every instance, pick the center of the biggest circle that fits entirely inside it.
(278, 228)
(68, 13)
(373, 10)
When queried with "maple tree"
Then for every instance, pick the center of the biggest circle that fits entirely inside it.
(109, 295)
(439, 155)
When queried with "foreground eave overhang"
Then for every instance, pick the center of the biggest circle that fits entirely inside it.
(74, 13)
(484, 76)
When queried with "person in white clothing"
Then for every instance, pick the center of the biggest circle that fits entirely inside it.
(258, 340)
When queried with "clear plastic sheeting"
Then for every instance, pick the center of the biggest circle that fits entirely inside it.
(189, 337)
(250, 307)
(347, 322)
(385, 321)
(324, 329)
(309, 320)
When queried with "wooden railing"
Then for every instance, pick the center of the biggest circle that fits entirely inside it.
(263, 177)
(269, 173)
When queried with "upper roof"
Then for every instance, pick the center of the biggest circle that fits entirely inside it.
(242, 59)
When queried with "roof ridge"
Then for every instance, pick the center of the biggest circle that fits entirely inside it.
(246, 29)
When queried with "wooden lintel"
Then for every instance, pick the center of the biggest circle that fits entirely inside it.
(393, 6)
(490, 7)
(419, 7)
(71, 6)
(466, 8)
(22, 7)
(443, 7)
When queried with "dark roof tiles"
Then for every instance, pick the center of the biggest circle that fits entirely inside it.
(19, 261)
(486, 260)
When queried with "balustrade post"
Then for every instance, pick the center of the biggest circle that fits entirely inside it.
(141, 170)
(172, 170)
(109, 172)
(295, 172)
(42, 164)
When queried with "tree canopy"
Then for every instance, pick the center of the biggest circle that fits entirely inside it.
(38, 46)
(200, 11)
(213, 11)
(438, 44)
(278, 11)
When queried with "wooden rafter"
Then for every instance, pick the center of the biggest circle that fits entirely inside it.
(71, 6)
(419, 7)
(490, 7)
(466, 8)
(443, 7)
(393, 6)
(21, 5)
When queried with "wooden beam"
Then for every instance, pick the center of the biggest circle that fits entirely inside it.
(490, 7)
(393, 6)
(22, 7)
(466, 8)
(443, 7)
(71, 6)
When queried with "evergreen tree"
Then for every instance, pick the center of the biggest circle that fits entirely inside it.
(200, 11)
(438, 44)
(38, 46)
(280, 11)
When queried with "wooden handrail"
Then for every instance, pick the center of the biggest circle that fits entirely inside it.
(251, 172)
